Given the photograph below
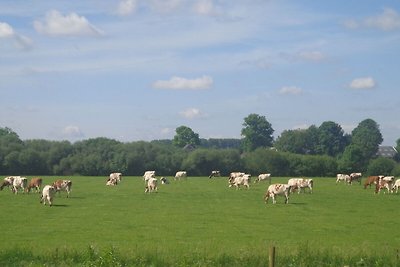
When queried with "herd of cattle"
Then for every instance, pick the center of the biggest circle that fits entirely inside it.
(235, 179)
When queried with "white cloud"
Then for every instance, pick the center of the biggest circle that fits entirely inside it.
(73, 132)
(204, 7)
(127, 7)
(55, 24)
(191, 113)
(291, 90)
(180, 83)
(363, 83)
(165, 6)
(388, 20)
(7, 32)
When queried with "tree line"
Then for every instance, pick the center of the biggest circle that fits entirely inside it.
(316, 151)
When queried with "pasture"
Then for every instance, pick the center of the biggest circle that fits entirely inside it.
(202, 218)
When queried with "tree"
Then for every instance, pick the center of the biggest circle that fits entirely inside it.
(331, 139)
(257, 132)
(185, 136)
(367, 137)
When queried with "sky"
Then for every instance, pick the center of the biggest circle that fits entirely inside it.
(135, 70)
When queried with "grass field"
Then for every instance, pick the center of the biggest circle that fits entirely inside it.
(202, 218)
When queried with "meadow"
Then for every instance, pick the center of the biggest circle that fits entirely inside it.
(199, 222)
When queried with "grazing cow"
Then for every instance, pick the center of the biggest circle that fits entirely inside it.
(342, 177)
(180, 175)
(148, 174)
(277, 189)
(263, 177)
(111, 182)
(48, 194)
(164, 180)
(243, 179)
(214, 174)
(151, 185)
(355, 176)
(386, 182)
(34, 183)
(63, 185)
(8, 181)
(372, 180)
(396, 186)
(116, 176)
(301, 183)
(233, 175)
(19, 183)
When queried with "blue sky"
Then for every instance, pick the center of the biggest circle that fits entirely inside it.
(137, 69)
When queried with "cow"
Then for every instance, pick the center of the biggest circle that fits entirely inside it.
(214, 174)
(342, 177)
(48, 194)
(243, 179)
(233, 175)
(263, 177)
(63, 185)
(355, 176)
(396, 186)
(386, 182)
(148, 174)
(34, 183)
(151, 185)
(19, 183)
(180, 175)
(111, 182)
(116, 177)
(372, 180)
(164, 180)
(277, 189)
(8, 181)
(301, 183)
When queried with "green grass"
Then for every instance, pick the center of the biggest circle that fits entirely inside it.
(200, 219)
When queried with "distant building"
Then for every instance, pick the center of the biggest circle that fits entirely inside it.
(386, 151)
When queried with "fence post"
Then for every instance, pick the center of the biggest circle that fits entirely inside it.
(271, 256)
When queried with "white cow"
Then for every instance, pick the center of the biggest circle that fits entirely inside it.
(263, 177)
(117, 176)
(342, 177)
(396, 186)
(19, 183)
(277, 189)
(48, 194)
(148, 174)
(180, 175)
(243, 179)
(300, 183)
(151, 185)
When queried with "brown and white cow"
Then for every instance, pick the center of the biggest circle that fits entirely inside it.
(275, 190)
(243, 179)
(342, 177)
(8, 181)
(355, 176)
(115, 177)
(214, 174)
(372, 180)
(396, 186)
(386, 182)
(63, 185)
(263, 177)
(151, 185)
(180, 175)
(301, 183)
(48, 194)
(35, 183)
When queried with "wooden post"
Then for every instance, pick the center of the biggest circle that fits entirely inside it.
(271, 256)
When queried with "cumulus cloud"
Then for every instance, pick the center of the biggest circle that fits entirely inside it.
(191, 113)
(387, 21)
(179, 83)
(291, 90)
(56, 24)
(72, 132)
(127, 7)
(7, 32)
(363, 83)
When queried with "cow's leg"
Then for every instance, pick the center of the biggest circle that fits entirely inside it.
(286, 198)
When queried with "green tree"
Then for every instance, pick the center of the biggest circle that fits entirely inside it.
(367, 137)
(257, 132)
(381, 166)
(351, 160)
(185, 136)
(331, 139)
